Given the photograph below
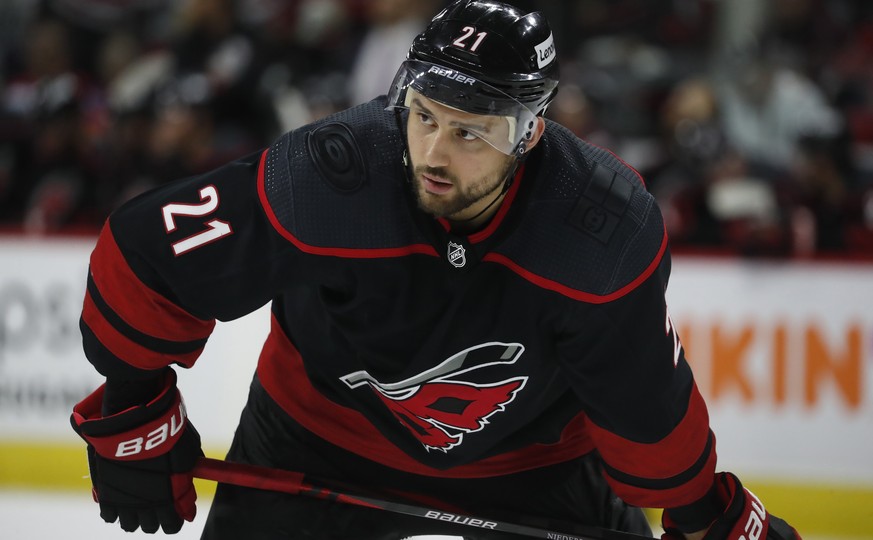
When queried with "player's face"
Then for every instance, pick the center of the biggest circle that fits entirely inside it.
(456, 173)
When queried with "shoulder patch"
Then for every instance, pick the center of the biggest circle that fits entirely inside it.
(325, 182)
(591, 229)
(599, 209)
(337, 157)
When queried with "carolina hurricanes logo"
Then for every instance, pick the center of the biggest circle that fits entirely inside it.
(438, 406)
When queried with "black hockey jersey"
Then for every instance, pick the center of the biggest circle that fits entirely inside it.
(534, 341)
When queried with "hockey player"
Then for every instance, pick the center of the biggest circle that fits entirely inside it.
(467, 310)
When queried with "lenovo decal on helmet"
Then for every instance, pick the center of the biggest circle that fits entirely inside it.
(545, 52)
(483, 57)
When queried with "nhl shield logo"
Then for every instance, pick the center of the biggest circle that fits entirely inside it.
(456, 255)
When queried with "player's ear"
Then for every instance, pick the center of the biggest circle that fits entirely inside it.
(538, 131)
(532, 137)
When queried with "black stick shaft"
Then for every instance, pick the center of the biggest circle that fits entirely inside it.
(258, 477)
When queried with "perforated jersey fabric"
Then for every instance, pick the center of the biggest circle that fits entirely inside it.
(535, 342)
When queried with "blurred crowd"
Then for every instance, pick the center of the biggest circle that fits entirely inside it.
(752, 121)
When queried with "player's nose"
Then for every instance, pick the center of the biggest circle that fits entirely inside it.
(436, 150)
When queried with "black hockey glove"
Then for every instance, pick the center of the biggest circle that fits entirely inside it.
(744, 517)
(141, 459)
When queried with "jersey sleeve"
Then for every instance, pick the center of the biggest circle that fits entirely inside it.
(171, 262)
(646, 416)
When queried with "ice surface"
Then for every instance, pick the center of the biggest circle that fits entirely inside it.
(41, 515)
(45, 515)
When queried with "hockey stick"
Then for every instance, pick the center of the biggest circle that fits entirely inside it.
(295, 483)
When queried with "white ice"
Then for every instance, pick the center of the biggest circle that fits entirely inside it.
(47, 515)
(41, 515)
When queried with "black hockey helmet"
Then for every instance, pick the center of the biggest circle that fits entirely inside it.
(484, 57)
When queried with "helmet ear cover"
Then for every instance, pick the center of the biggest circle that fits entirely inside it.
(463, 92)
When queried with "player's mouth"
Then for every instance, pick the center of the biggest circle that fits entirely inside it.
(436, 185)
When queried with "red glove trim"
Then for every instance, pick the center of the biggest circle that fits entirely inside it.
(752, 521)
(150, 439)
(744, 517)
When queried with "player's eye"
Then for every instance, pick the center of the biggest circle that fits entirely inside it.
(425, 119)
(467, 135)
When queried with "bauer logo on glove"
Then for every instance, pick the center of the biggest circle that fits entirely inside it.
(152, 438)
(168, 431)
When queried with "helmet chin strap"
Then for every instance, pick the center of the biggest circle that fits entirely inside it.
(507, 181)
(406, 166)
(520, 157)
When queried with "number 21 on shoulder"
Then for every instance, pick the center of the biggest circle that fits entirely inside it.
(215, 228)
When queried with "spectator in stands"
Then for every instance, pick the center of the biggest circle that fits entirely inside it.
(391, 26)
(304, 50)
(709, 194)
(822, 204)
(43, 124)
(214, 59)
(573, 109)
(100, 102)
(767, 109)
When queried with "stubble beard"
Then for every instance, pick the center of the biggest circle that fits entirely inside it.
(449, 205)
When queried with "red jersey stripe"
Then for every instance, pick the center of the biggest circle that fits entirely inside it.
(685, 445)
(502, 211)
(576, 294)
(129, 351)
(681, 495)
(139, 306)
